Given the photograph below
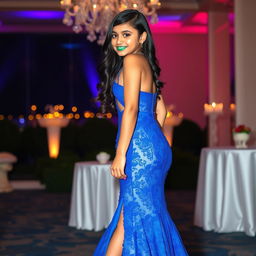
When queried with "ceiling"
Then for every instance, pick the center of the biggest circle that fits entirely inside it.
(167, 5)
(46, 15)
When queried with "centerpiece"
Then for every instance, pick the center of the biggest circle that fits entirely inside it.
(241, 136)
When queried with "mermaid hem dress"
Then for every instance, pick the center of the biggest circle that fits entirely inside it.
(148, 227)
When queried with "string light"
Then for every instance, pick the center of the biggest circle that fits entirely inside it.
(38, 116)
(30, 117)
(77, 116)
(61, 107)
(54, 112)
(74, 109)
(109, 115)
(56, 107)
(33, 107)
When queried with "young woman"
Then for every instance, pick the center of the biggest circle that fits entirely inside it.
(129, 73)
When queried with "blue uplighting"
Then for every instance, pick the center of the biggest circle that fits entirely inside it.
(21, 120)
(38, 14)
(71, 46)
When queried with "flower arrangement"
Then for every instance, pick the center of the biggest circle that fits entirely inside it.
(103, 157)
(241, 135)
(241, 129)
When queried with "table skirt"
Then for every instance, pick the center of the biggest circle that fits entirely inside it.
(226, 191)
(94, 196)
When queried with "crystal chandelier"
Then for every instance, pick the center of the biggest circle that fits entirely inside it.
(94, 16)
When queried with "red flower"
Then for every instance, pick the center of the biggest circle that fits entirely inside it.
(242, 128)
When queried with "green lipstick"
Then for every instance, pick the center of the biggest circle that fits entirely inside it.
(121, 48)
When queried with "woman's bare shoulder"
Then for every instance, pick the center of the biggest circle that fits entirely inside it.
(134, 60)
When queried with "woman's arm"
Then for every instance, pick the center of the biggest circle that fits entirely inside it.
(132, 69)
(160, 111)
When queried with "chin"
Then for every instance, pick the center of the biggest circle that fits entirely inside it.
(122, 53)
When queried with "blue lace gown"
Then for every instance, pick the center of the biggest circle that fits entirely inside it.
(148, 227)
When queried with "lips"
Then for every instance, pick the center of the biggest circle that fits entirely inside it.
(121, 48)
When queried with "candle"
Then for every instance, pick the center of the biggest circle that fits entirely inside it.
(94, 7)
(154, 2)
(66, 2)
(213, 108)
(232, 107)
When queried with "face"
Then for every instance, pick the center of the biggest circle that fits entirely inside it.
(126, 39)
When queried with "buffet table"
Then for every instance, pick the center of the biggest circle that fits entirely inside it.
(226, 190)
(94, 196)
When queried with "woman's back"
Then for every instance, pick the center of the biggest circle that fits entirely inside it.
(146, 82)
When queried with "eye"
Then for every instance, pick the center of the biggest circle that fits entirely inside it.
(126, 34)
(113, 35)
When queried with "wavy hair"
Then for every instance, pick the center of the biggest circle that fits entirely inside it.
(112, 62)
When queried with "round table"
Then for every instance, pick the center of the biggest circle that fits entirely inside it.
(226, 190)
(94, 196)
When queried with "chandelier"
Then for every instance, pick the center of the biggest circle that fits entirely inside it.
(94, 16)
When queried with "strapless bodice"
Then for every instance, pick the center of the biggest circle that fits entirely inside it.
(147, 100)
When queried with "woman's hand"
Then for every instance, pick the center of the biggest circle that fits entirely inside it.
(117, 167)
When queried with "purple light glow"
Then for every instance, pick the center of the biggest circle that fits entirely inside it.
(231, 17)
(38, 14)
(179, 29)
(167, 24)
(201, 18)
(170, 17)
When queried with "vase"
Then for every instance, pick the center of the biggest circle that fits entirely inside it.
(240, 139)
(102, 157)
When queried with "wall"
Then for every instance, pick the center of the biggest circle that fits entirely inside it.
(183, 59)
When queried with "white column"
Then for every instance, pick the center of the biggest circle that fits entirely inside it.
(245, 59)
(219, 77)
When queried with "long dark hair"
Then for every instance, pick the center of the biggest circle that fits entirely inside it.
(112, 62)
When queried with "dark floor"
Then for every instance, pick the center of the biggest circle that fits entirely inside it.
(35, 223)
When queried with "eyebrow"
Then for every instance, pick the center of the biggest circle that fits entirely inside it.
(122, 31)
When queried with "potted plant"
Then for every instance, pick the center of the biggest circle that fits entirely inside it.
(241, 135)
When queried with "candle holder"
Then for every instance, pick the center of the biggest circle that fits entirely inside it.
(53, 122)
(213, 110)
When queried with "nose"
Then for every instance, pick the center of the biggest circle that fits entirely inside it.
(119, 40)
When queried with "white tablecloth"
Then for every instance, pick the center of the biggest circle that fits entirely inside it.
(94, 196)
(226, 190)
